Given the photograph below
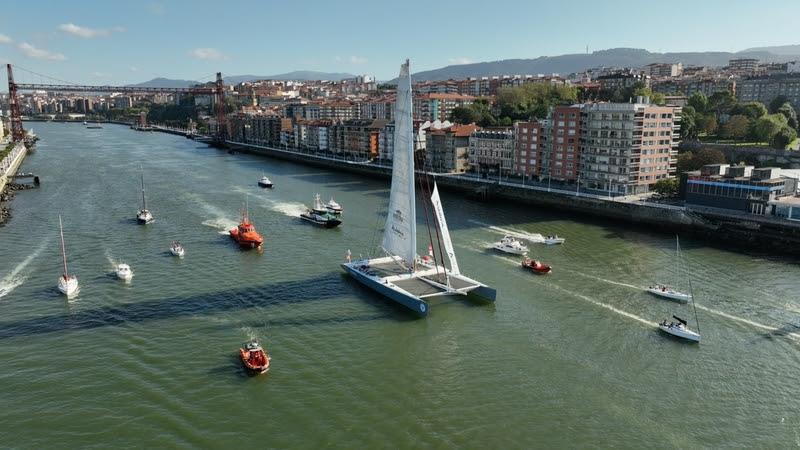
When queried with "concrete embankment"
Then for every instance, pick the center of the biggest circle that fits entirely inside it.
(10, 164)
(767, 234)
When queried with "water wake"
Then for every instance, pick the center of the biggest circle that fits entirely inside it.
(604, 305)
(221, 224)
(638, 288)
(15, 278)
(519, 234)
(291, 209)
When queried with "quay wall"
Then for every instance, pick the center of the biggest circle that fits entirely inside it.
(720, 228)
(10, 165)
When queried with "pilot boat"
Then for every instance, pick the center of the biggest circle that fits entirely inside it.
(245, 234)
(254, 358)
(536, 267)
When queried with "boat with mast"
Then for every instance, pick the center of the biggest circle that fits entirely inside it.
(681, 327)
(67, 284)
(401, 275)
(144, 216)
(665, 291)
(320, 215)
(245, 233)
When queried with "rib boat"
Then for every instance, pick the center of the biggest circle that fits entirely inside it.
(401, 275)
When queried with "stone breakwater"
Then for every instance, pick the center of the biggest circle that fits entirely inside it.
(6, 196)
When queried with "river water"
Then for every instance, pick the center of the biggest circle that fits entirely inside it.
(568, 360)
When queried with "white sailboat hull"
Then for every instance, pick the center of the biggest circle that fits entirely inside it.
(670, 294)
(68, 287)
(680, 332)
(411, 289)
(144, 217)
(177, 251)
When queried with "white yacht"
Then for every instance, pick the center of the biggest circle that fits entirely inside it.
(400, 276)
(679, 329)
(67, 284)
(176, 248)
(144, 216)
(554, 240)
(510, 245)
(662, 290)
(333, 206)
(265, 182)
(124, 272)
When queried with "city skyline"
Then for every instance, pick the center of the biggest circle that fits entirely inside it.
(131, 43)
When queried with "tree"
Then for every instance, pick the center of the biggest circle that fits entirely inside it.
(766, 127)
(783, 138)
(721, 102)
(464, 114)
(656, 98)
(699, 102)
(688, 123)
(685, 162)
(708, 156)
(736, 128)
(533, 99)
(776, 103)
(753, 110)
(791, 116)
(708, 124)
(667, 187)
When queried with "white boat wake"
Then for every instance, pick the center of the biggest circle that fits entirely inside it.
(519, 234)
(221, 224)
(603, 305)
(291, 209)
(15, 278)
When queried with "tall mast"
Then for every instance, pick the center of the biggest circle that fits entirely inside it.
(144, 201)
(63, 249)
(691, 290)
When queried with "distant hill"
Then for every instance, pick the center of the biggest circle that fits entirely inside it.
(615, 57)
(300, 75)
(165, 83)
(791, 50)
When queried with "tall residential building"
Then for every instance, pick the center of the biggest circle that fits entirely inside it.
(446, 149)
(743, 64)
(627, 147)
(550, 147)
(663, 70)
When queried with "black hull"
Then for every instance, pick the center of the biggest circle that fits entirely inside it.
(329, 223)
(268, 186)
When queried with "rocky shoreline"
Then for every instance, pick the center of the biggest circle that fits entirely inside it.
(6, 196)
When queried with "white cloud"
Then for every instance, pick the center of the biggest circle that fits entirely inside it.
(75, 30)
(5, 39)
(101, 74)
(211, 54)
(32, 52)
(460, 60)
(358, 60)
(133, 69)
(155, 8)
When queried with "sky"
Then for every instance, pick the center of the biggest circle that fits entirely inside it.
(115, 42)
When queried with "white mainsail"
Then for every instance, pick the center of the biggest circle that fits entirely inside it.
(400, 233)
(443, 231)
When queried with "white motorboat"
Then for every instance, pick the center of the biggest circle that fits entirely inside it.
(510, 245)
(333, 206)
(176, 248)
(67, 284)
(144, 216)
(554, 240)
(319, 215)
(679, 329)
(400, 276)
(662, 290)
(265, 182)
(124, 272)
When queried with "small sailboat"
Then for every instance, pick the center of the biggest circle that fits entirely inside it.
(124, 272)
(319, 215)
(265, 182)
(553, 240)
(665, 291)
(176, 248)
(144, 216)
(680, 328)
(67, 284)
(333, 207)
(510, 245)
(245, 234)
(401, 275)
(254, 358)
(536, 266)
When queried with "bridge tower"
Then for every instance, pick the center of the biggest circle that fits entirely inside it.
(219, 110)
(17, 132)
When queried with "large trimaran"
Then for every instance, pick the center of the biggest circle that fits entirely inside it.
(402, 275)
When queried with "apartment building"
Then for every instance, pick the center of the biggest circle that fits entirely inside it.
(447, 148)
(628, 147)
(491, 151)
(438, 106)
(766, 88)
(550, 147)
(530, 140)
